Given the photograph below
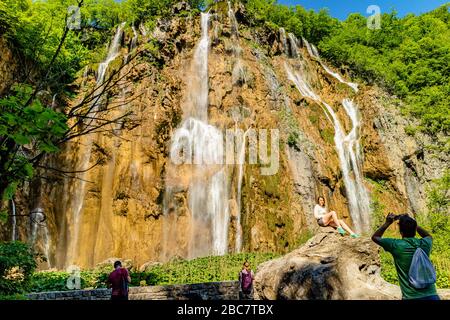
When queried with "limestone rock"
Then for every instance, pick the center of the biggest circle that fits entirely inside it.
(126, 263)
(149, 265)
(327, 267)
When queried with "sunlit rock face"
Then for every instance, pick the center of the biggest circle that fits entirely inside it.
(327, 267)
(214, 73)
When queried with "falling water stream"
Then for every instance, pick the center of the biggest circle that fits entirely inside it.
(293, 43)
(313, 52)
(14, 221)
(347, 146)
(202, 146)
(238, 75)
(284, 41)
(83, 161)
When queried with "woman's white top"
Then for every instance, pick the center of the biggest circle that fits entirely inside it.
(319, 211)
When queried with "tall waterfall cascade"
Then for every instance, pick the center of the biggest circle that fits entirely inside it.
(202, 146)
(347, 145)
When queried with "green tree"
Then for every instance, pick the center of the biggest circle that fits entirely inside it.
(17, 264)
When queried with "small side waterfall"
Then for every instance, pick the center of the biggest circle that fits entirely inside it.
(293, 44)
(112, 54)
(39, 229)
(13, 221)
(238, 73)
(143, 30)
(284, 41)
(313, 52)
(348, 149)
(200, 145)
(85, 155)
(241, 162)
(233, 20)
(54, 101)
(85, 76)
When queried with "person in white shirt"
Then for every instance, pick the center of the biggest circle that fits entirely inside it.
(325, 218)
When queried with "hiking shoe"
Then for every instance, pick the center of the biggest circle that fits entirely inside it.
(354, 236)
(340, 230)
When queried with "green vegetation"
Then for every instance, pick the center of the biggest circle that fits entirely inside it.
(207, 269)
(407, 56)
(17, 264)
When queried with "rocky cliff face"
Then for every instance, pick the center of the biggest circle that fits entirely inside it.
(8, 66)
(327, 267)
(120, 206)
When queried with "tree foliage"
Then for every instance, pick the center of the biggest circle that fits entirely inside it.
(408, 56)
(17, 264)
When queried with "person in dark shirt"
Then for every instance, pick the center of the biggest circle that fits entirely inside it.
(246, 278)
(118, 280)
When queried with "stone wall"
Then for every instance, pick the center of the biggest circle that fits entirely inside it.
(227, 290)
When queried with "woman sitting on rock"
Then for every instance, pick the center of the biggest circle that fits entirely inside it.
(325, 218)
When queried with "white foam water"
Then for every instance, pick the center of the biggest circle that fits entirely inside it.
(77, 201)
(200, 145)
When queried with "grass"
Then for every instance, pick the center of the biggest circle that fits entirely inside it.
(441, 264)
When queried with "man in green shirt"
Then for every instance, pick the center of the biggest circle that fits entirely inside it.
(403, 250)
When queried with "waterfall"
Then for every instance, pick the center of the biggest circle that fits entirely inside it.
(238, 77)
(38, 223)
(284, 41)
(293, 43)
(354, 86)
(85, 155)
(47, 245)
(241, 161)
(133, 44)
(233, 20)
(14, 221)
(302, 86)
(313, 52)
(201, 146)
(348, 150)
(134, 40)
(308, 48)
(113, 52)
(238, 73)
(54, 101)
(143, 30)
(85, 75)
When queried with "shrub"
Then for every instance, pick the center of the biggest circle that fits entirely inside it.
(17, 264)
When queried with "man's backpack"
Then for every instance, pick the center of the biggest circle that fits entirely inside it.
(246, 281)
(124, 282)
(421, 271)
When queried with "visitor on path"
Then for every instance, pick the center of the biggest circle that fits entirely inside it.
(246, 278)
(325, 218)
(118, 280)
(408, 267)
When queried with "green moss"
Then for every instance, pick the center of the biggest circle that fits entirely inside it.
(270, 185)
(314, 118)
(206, 269)
(327, 135)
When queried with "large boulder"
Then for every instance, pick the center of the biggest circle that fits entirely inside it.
(327, 267)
